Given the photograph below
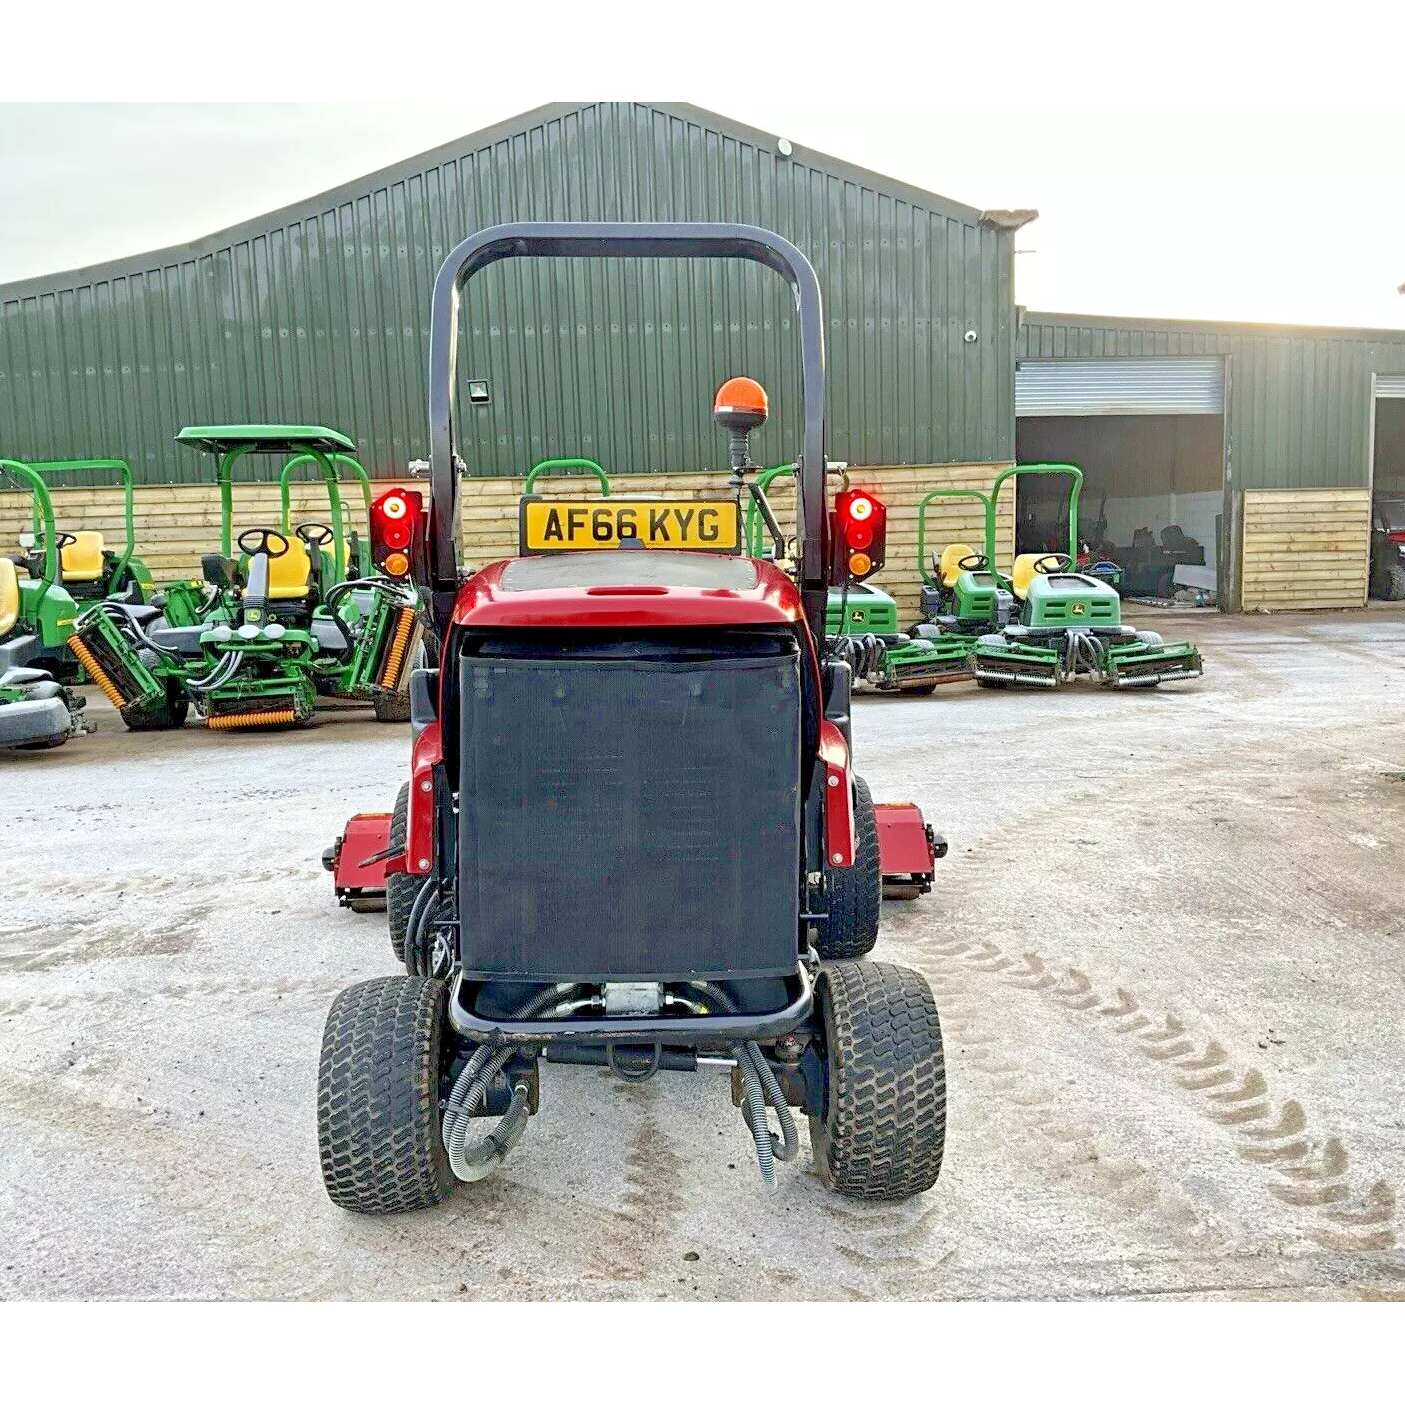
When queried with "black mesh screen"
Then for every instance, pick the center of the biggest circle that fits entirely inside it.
(630, 807)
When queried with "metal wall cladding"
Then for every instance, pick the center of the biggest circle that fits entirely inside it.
(319, 313)
(1299, 398)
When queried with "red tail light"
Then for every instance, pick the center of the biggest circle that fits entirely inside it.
(858, 528)
(1397, 536)
(397, 531)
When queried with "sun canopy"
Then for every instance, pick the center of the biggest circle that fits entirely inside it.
(266, 438)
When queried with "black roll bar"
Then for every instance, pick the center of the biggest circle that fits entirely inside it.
(631, 241)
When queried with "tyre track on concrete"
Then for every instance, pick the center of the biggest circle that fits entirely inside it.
(1301, 1165)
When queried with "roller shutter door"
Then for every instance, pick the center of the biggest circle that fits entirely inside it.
(1173, 385)
(1390, 387)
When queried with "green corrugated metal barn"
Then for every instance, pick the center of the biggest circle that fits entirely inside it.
(1259, 442)
(319, 312)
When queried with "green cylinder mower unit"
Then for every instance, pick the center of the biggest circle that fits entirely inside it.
(37, 616)
(1066, 622)
(861, 623)
(288, 620)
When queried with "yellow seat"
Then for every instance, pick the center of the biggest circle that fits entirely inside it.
(947, 568)
(9, 595)
(1022, 572)
(81, 559)
(288, 574)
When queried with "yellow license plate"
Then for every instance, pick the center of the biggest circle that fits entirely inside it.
(672, 524)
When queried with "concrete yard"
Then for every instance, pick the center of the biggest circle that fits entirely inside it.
(1168, 947)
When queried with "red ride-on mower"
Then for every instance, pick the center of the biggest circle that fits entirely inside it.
(630, 820)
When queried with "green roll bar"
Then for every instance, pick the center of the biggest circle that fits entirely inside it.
(339, 460)
(975, 493)
(124, 473)
(39, 494)
(224, 474)
(1071, 471)
(560, 466)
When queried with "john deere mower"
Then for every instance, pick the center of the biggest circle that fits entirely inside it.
(632, 806)
(861, 621)
(1067, 623)
(36, 617)
(279, 625)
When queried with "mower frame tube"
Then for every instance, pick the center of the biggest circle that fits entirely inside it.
(358, 472)
(615, 240)
(980, 497)
(1071, 471)
(124, 474)
(664, 1029)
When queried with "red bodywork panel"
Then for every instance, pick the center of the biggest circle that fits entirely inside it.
(365, 836)
(840, 840)
(426, 754)
(484, 603)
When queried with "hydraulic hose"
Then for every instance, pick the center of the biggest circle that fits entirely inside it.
(759, 1086)
(471, 1162)
(127, 625)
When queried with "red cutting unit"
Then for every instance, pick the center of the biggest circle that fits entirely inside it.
(908, 850)
(357, 862)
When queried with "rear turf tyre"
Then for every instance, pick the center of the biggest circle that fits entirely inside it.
(855, 893)
(378, 1097)
(165, 715)
(883, 1125)
(401, 889)
(918, 690)
(391, 707)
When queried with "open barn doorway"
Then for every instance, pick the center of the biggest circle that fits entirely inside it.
(1149, 435)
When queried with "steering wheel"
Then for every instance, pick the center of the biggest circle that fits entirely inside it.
(1061, 561)
(974, 562)
(63, 539)
(323, 534)
(256, 539)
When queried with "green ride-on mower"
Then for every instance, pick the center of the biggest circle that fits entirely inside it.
(861, 621)
(631, 817)
(285, 622)
(1067, 623)
(37, 613)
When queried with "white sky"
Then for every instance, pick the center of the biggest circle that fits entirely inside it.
(1263, 211)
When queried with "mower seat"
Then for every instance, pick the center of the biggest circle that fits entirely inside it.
(81, 559)
(9, 595)
(947, 569)
(219, 571)
(1022, 572)
(289, 574)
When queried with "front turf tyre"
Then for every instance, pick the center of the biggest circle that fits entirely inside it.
(401, 889)
(917, 690)
(856, 892)
(378, 1097)
(883, 1125)
(391, 707)
(164, 715)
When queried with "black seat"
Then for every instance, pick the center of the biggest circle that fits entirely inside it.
(219, 571)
